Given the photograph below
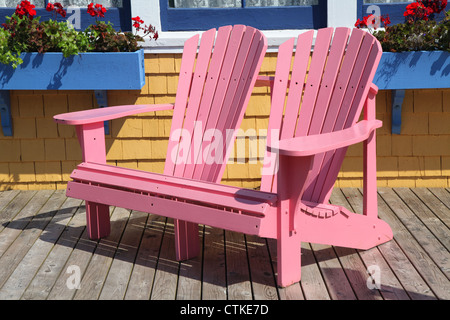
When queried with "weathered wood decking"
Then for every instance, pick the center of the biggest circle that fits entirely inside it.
(44, 250)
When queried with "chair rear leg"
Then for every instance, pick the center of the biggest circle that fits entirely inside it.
(187, 240)
(98, 220)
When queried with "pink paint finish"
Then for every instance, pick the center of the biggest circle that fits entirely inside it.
(318, 94)
(110, 113)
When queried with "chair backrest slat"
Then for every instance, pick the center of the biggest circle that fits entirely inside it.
(215, 101)
(243, 79)
(196, 94)
(331, 71)
(318, 62)
(185, 77)
(207, 99)
(280, 85)
(297, 84)
(219, 108)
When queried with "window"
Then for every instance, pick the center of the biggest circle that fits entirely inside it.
(184, 15)
(394, 8)
(119, 11)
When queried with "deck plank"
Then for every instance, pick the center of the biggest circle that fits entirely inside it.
(444, 196)
(312, 282)
(43, 234)
(427, 220)
(94, 276)
(436, 202)
(239, 284)
(214, 286)
(426, 266)
(389, 286)
(142, 276)
(166, 276)
(19, 248)
(30, 264)
(6, 197)
(263, 282)
(116, 282)
(332, 272)
(15, 216)
(10, 206)
(53, 266)
(351, 261)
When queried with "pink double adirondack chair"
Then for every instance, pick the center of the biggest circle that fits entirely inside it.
(313, 119)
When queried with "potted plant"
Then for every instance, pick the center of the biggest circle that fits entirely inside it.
(41, 55)
(416, 53)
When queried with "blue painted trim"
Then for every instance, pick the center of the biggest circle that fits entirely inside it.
(263, 18)
(119, 17)
(5, 113)
(86, 71)
(413, 70)
(102, 101)
(397, 101)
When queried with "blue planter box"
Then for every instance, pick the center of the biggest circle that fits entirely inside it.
(86, 71)
(96, 71)
(413, 70)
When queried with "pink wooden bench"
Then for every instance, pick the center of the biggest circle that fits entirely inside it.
(314, 116)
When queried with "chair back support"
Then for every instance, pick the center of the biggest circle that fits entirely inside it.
(215, 84)
(322, 90)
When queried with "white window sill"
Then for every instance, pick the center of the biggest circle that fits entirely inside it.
(173, 42)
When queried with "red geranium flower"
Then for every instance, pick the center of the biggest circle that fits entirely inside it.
(386, 20)
(25, 9)
(97, 11)
(137, 22)
(417, 11)
(434, 6)
(57, 8)
(49, 7)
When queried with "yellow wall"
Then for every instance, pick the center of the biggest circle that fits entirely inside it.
(42, 154)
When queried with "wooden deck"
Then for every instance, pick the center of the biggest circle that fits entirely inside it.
(44, 251)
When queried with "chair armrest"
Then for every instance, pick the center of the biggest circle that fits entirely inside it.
(109, 113)
(314, 144)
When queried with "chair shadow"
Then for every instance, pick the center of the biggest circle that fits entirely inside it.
(149, 251)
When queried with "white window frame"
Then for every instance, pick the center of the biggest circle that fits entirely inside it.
(340, 13)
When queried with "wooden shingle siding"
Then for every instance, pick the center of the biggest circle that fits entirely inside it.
(418, 157)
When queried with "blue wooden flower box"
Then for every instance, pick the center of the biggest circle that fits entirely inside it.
(411, 70)
(98, 71)
(86, 71)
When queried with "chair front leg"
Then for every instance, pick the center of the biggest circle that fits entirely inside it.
(187, 240)
(92, 142)
(292, 177)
